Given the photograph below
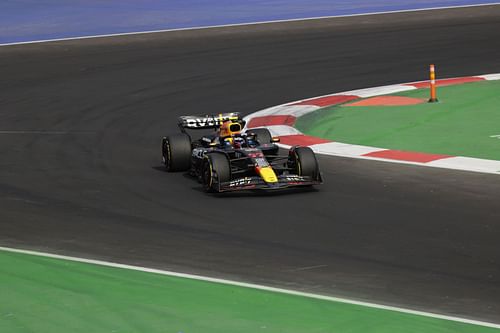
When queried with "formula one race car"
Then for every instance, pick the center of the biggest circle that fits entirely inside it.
(231, 159)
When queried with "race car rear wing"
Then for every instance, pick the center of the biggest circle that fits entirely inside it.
(207, 121)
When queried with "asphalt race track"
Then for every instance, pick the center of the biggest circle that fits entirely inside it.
(80, 171)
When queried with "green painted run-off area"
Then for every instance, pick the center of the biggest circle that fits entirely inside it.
(464, 122)
(50, 295)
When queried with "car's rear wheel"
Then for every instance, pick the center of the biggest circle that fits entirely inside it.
(216, 169)
(176, 152)
(302, 162)
(263, 136)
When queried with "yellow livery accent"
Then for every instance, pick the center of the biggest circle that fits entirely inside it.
(267, 173)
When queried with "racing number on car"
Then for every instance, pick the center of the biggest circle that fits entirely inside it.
(261, 162)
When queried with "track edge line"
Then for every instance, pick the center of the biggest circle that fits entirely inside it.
(245, 24)
(250, 285)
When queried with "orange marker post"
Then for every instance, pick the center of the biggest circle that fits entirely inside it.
(433, 84)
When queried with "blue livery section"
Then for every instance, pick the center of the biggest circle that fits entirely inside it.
(29, 20)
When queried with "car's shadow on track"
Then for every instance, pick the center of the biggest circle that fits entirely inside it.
(262, 193)
(160, 168)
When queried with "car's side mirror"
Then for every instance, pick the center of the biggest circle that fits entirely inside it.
(275, 139)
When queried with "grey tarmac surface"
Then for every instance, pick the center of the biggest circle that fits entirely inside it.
(80, 171)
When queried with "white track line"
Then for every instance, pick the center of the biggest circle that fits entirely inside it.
(244, 24)
(253, 286)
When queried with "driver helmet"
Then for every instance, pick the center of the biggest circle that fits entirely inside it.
(230, 128)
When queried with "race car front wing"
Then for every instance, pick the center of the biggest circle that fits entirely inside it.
(257, 183)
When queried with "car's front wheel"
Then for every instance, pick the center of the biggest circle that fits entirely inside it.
(302, 162)
(215, 170)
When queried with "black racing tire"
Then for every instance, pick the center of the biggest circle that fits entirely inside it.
(302, 162)
(176, 152)
(215, 164)
(263, 135)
